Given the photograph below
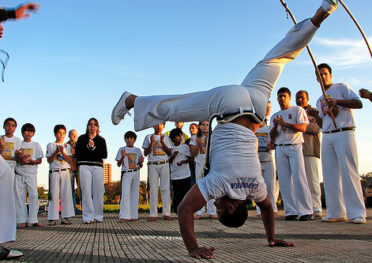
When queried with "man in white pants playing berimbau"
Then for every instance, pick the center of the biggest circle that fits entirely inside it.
(233, 142)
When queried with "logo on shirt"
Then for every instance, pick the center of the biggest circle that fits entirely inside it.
(245, 182)
(132, 157)
(158, 149)
(8, 150)
(290, 116)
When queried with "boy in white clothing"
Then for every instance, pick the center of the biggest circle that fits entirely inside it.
(59, 158)
(28, 158)
(9, 143)
(130, 159)
(158, 147)
(179, 167)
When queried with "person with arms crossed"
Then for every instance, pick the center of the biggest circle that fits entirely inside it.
(241, 109)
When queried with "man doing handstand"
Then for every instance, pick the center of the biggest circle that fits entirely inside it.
(235, 173)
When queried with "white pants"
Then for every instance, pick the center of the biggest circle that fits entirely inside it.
(268, 173)
(156, 172)
(252, 95)
(312, 176)
(129, 195)
(60, 183)
(7, 204)
(211, 208)
(21, 182)
(92, 191)
(340, 174)
(292, 180)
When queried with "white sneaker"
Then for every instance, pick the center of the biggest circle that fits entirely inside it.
(120, 109)
(329, 5)
(6, 253)
(359, 220)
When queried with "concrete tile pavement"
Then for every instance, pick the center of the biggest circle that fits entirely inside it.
(160, 241)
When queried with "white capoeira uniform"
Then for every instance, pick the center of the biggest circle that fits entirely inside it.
(290, 163)
(267, 165)
(199, 173)
(158, 168)
(339, 158)
(59, 183)
(130, 181)
(26, 176)
(235, 142)
(8, 220)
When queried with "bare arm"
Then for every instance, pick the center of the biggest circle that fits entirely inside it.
(365, 94)
(267, 215)
(191, 203)
(352, 103)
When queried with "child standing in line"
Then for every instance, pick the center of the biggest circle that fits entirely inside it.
(180, 171)
(9, 143)
(158, 147)
(198, 149)
(28, 158)
(130, 159)
(59, 158)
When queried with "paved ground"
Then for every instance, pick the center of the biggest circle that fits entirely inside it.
(160, 241)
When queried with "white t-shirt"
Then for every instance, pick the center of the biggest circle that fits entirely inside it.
(157, 153)
(235, 168)
(294, 115)
(345, 116)
(11, 145)
(264, 154)
(131, 158)
(183, 171)
(199, 158)
(58, 162)
(33, 151)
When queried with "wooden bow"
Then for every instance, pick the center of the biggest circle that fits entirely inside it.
(314, 64)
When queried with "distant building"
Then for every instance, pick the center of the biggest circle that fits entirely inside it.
(107, 173)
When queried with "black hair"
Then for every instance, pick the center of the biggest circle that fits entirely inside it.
(237, 218)
(130, 134)
(59, 127)
(28, 127)
(304, 91)
(9, 119)
(284, 90)
(175, 132)
(96, 121)
(325, 65)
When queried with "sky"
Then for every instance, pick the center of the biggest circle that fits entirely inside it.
(74, 58)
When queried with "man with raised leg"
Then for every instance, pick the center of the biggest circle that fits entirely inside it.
(241, 108)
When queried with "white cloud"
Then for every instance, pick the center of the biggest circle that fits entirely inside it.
(346, 53)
